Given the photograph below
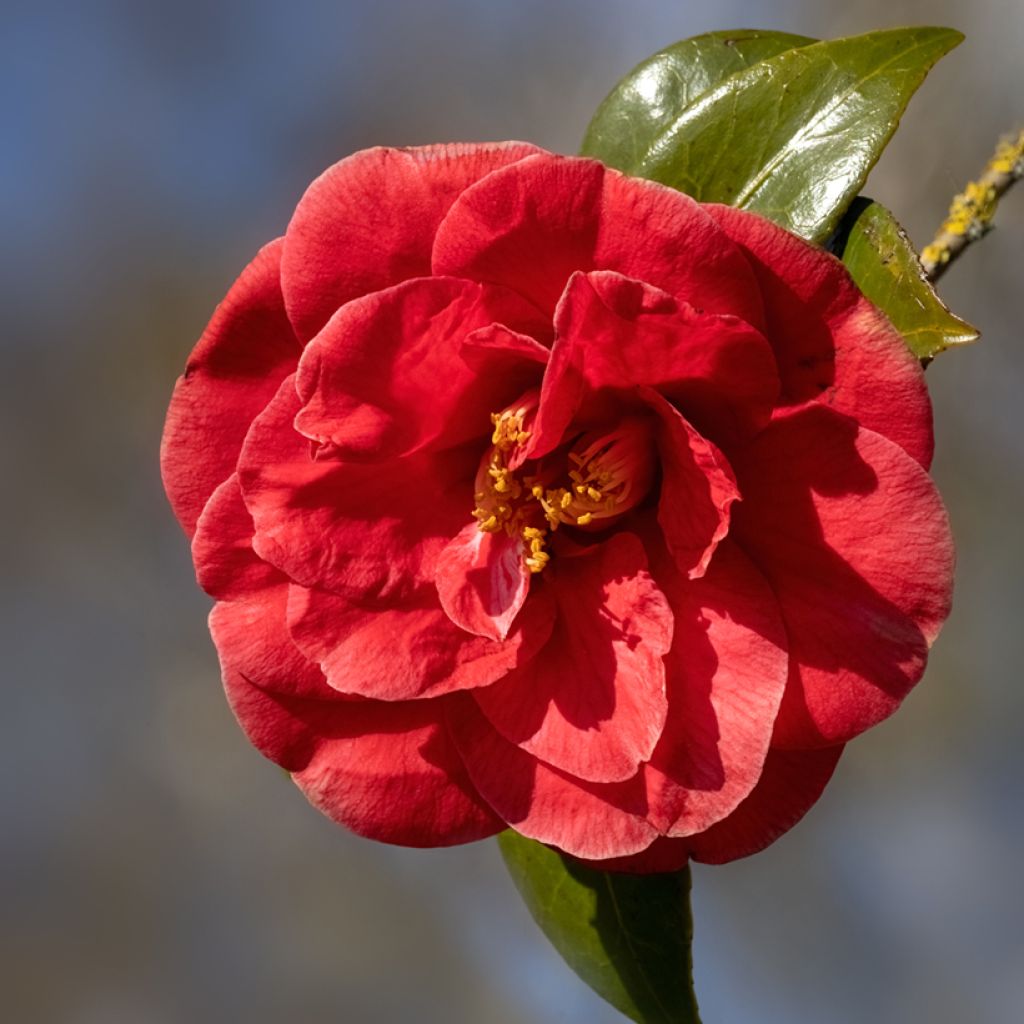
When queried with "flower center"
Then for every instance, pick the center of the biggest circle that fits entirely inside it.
(607, 474)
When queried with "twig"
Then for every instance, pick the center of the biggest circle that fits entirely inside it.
(971, 212)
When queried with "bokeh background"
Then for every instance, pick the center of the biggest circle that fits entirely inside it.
(153, 867)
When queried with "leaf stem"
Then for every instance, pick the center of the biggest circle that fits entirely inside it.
(972, 211)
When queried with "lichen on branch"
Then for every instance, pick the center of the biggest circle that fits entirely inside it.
(972, 211)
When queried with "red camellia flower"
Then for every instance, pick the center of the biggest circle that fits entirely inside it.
(535, 495)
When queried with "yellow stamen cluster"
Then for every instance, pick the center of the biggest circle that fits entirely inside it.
(537, 557)
(508, 428)
(601, 481)
(498, 488)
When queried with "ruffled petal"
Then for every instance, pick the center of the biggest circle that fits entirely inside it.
(831, 343)
(390, 772)
(254, 643)
(726, 676)
(592, 702)
(226, 565)
(497, 350)
(853, 537)
(386, 375)
(697, 489)
(387, 771)
(790, 784)
(531, 225)
(586, 819)
(405, 650)
(789, 787)
(360, 529)
(613, 333)
(482, 581)
(233, 372)
(369, 221)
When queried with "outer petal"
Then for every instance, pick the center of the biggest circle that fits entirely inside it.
(592, 703)
(529, 226)
(855, 541)
(226, 565)
(586, 819)
(244, 354)
(369, 221)
(253, 641)
(386, 375)
(613, 332)
(387, 771)
(726, 675)
(790, 785)
(831, 343)
(361, 529)
(401, 651)
(483, 581)
(697, 489)
(390, 772)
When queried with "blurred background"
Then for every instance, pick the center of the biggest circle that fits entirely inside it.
(154, 868)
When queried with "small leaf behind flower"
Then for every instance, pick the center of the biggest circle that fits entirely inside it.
(647, 101)
(886, 267)
(794, 136)
(629, 937)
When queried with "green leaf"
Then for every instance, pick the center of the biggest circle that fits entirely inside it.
(646, 102)
(628, 937)
(885, 266)
(793, 137)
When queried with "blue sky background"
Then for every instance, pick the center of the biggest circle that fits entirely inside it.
(155, 869)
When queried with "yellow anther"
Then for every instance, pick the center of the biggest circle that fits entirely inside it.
(537, 558)
(584, 519)
(508, 427)
(594, 494)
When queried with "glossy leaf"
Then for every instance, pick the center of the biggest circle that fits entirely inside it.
(886, 267)
(628, 937)
(793, 137)
(646, 102)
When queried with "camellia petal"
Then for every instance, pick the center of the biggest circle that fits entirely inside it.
(852, 535)
(244, 354)
(360, 529)
(586, 819)
(385, 375)
(226, 565)
(612, 630)
(613, 333)
(483, 580)
(697, 489)
(530, 225)
(390, 772)
(408, 650)
(789, 785)
(832, 345)
(369, 221)
(346, 753)
(726, 674)
(254, 642)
